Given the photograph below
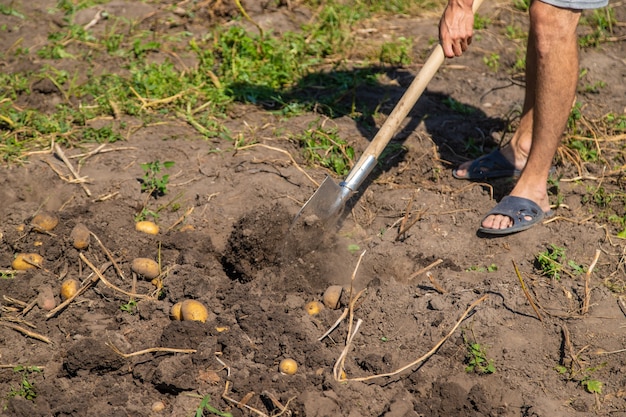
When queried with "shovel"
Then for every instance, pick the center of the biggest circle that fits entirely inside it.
(328, 202)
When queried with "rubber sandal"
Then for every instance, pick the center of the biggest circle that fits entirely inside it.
(491, 165)
(525, 214)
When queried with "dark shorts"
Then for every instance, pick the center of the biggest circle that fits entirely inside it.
(577, 4)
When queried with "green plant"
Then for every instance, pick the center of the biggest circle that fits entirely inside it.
(584, 376)
(492, 61)
(458, 106)
(26, 389)
(324, 147)
(481, 22)
(553, 263)
(477, 268)
(476, 358)
(205, 405)
(153, 183)
(396, 52)
(551, 260)
(130, 307)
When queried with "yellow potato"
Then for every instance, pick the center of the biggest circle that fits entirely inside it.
(69, 288)
(145, 267)
(24, 261)
(194, 310)
(80, 236)
(332, 296)
(175, 312)
(288, 366)
(147, 226)
(45, 221)
(314, 308)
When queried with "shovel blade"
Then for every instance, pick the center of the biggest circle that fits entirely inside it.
(326, 203)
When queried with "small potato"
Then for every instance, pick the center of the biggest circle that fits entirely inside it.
(145, 267)
(80, 236)
(69, 288)
(24, 261)
(194, 310)
(147, 226)
(313, 308)
(175, 312)
(158, 406)
(45, 298)
(45, 221)
(332, 296)
(288, 366)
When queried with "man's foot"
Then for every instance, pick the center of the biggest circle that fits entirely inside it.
(514, 214)
(496, 164)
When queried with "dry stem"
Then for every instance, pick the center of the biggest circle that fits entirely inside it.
(149, 350)
(585, 307)
(59, 152)
(429, 353)
(526, 293)
(26, 332)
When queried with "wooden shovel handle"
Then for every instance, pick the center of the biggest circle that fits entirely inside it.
(406, 103)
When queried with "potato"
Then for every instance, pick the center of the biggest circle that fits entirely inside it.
(80, 236)
(45, 221)
(332, 296)
(69, 288)
(288, 366)
(158, 406)
(313, 308)
(24, 261)
(147, 226)
(175, 312)
(45, 298)
(194, 310)
(145, 267)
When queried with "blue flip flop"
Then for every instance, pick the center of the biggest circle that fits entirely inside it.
(491, 165)
(525, 214)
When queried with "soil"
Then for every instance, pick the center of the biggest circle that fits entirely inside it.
(226, 239)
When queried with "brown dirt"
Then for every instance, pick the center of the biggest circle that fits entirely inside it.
(240, 259)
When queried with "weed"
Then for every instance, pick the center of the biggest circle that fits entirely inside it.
(476, 358)
(492, 61)
(10, 11)
(584, 376)
(396, 52)
(130, 307)
(152, 182)
(104, 134)
(26, 389)
(324, 147)
(458, 106)
(550, 261)
(205, 405)
(481, 22)
(553, 263)
(476, 268)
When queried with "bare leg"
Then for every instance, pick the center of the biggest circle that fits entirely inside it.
(516, 151)
(553, 35)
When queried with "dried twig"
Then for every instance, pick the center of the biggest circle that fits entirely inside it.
(293, 161)
(109, 255)
(526, 293)
(586, 298)
(149, 350)
(80, 291)
(430, 352)
(107, 283)
(59, 152)
(426, 268)
(435, 284)
(26, 332)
